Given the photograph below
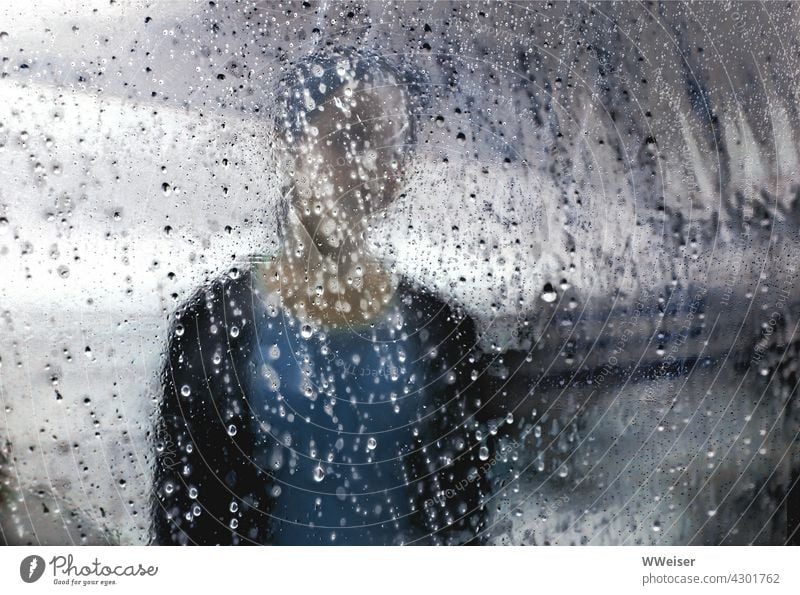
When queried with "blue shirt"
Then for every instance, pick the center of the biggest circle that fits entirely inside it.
(281, 432)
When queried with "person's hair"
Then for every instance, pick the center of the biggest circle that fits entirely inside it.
(312, 82)
(311, 90)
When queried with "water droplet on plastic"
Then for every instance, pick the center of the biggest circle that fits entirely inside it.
(549, 294)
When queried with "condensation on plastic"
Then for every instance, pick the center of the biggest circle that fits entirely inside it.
(572, 162)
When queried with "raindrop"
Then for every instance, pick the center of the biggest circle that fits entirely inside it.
(549, 294)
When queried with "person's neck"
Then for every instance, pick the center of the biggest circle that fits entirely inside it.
(350, 288)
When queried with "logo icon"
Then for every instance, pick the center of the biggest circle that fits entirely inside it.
(31, 568)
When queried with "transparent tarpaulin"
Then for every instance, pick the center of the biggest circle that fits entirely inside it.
(413, 273)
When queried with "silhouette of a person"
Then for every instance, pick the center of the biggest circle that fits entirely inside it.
(317, 399)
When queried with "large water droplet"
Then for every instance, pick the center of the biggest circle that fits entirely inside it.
(549, 294)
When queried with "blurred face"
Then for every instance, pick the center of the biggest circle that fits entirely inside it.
(348, 161)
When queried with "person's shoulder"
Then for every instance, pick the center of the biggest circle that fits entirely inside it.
(223, 311)
(234, 287)
(426, 305)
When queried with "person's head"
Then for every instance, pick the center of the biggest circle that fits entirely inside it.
(347, 127)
